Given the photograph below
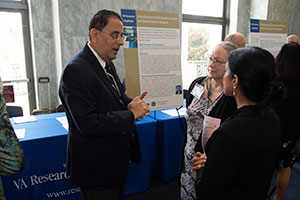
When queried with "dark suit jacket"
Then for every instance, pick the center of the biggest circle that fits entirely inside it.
(101, 127)
(241, 155)
(179, 92)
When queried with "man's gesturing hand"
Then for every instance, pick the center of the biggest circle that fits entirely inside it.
(139, 107)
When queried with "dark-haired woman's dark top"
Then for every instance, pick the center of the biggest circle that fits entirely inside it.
(241, 155)
(222, 110)
(288, 112)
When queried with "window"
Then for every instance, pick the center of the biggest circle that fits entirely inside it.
(15, 54)
(212, 8)
(204, 25)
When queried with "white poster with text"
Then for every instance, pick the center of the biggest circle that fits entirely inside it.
(157, 48)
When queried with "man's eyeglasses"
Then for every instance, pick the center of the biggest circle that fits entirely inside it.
(116, 35)
(216, 61)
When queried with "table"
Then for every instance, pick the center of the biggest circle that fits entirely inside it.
(44, 176)
(170, 138)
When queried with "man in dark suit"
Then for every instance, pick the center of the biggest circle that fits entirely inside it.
(102, 137)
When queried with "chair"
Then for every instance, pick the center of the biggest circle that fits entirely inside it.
(42, 111)
(60, 108)
(14, 111)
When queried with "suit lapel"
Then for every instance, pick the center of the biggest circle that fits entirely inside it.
(101, 73)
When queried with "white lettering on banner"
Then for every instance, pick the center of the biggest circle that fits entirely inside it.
(20, 184)
(128, 21)
(128, 16)
(35, 180)
(63, 193)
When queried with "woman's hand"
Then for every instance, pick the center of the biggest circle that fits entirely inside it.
(198, 161)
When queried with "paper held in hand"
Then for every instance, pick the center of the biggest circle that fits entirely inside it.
(210, 124)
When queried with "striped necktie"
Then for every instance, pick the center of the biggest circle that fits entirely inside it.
(111, 78)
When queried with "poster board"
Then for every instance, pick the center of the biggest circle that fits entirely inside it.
(270, 35)
(152, 57)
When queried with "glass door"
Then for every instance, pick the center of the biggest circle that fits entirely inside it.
(15, 55)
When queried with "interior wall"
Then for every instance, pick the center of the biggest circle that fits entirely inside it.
(287, 10)
(74, 17)
(43, 50)
(243, 17)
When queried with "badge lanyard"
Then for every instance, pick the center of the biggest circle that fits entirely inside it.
(208, 94)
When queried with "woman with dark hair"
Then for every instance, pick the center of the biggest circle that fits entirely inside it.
(242, 152)
(288, 68)
(205, 99)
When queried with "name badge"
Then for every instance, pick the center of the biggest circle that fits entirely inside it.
(197, 91)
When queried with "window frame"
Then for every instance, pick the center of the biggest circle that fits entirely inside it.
(223, 21)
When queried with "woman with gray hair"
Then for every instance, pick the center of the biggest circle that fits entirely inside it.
(205, 101)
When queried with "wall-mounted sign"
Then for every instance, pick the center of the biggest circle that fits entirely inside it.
(270, 35)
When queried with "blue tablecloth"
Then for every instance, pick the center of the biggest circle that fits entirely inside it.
(44, 177)
(139, 174)
(170, 137)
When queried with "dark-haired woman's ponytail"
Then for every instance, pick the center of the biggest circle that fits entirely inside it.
(274, 93)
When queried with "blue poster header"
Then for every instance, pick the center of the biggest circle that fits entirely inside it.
(129, 17)
(254, 25)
